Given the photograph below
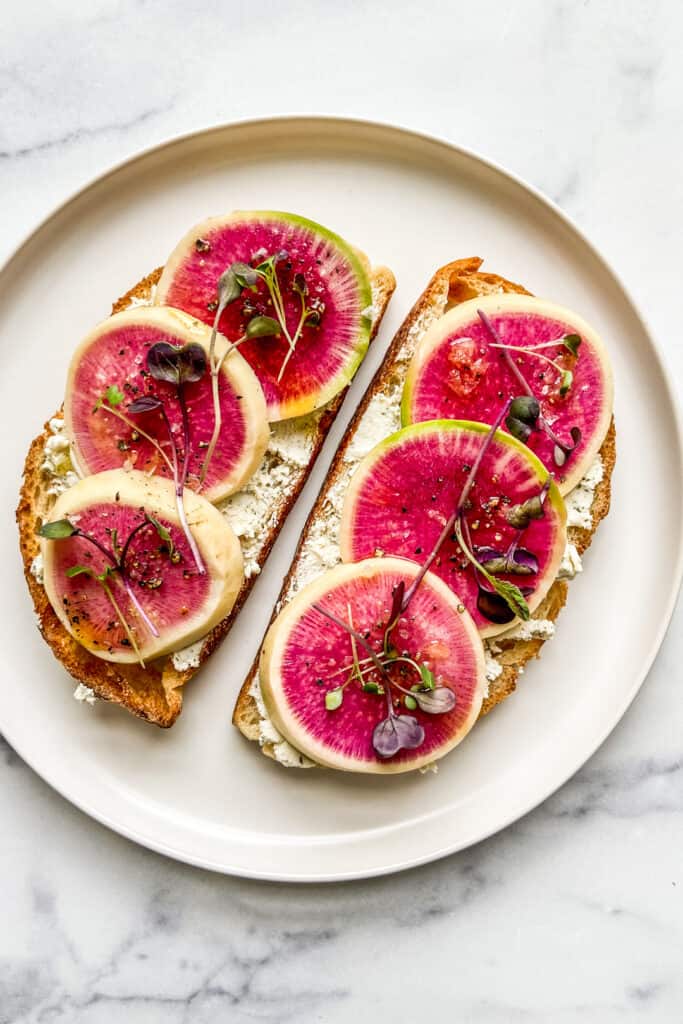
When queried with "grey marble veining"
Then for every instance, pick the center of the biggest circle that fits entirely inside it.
(575, 913)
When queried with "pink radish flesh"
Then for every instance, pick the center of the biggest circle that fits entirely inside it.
(430, 631)
(322, 352)
(103, 441)
(168, 592)
(401, 499)
(466, 379)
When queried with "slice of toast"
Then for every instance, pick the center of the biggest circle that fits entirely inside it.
(155, 693)
(377, 416)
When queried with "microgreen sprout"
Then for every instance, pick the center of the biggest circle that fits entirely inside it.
(117, 567)
(233, 282)
(178, 366)
(523, 428)
(570, 342)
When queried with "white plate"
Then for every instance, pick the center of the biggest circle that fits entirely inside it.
(199, 792)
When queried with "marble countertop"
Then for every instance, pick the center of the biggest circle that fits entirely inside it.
(574, 914)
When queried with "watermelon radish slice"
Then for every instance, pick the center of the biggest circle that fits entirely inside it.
(113, 356)
(305, 658)
(457, 373)
(404, 491)
(162, 597)
(331, 344)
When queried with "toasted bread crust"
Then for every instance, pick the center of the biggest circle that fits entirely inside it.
(452, 284)
(154, 693)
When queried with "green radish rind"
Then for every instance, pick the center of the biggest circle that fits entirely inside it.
(274, 650)
(465, 313)
(357, 263)
(554, 497)
(216, 540)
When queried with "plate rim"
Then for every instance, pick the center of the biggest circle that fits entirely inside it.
(350, 124)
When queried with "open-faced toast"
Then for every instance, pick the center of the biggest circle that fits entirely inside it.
(377, 416)
(256, 513)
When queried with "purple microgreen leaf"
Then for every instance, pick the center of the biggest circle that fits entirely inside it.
(162, 362)
(334, 698)
(113, 395)
(57, 530)
(184, 364)
(571, 342)
(262, 327)
(561, 451)
(436, 702)
(191, 363)
(520, 516)
(397, 732)
(517, 562)
(525, 561)
(147, 403)
(493, 607)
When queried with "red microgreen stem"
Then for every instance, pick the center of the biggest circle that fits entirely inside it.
(459, 509)
(523, 382)
(179, 496)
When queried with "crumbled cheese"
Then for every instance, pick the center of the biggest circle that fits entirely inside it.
(144, 300)
(188, 657)
(254, 510)
(571, 564)
(493, 669)
(381, 418)
(432, 767)
(283, 751)
(56, 465)
(293, 440)
(84, 695)
(580, 499)
(533, 629)
(38, 569)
